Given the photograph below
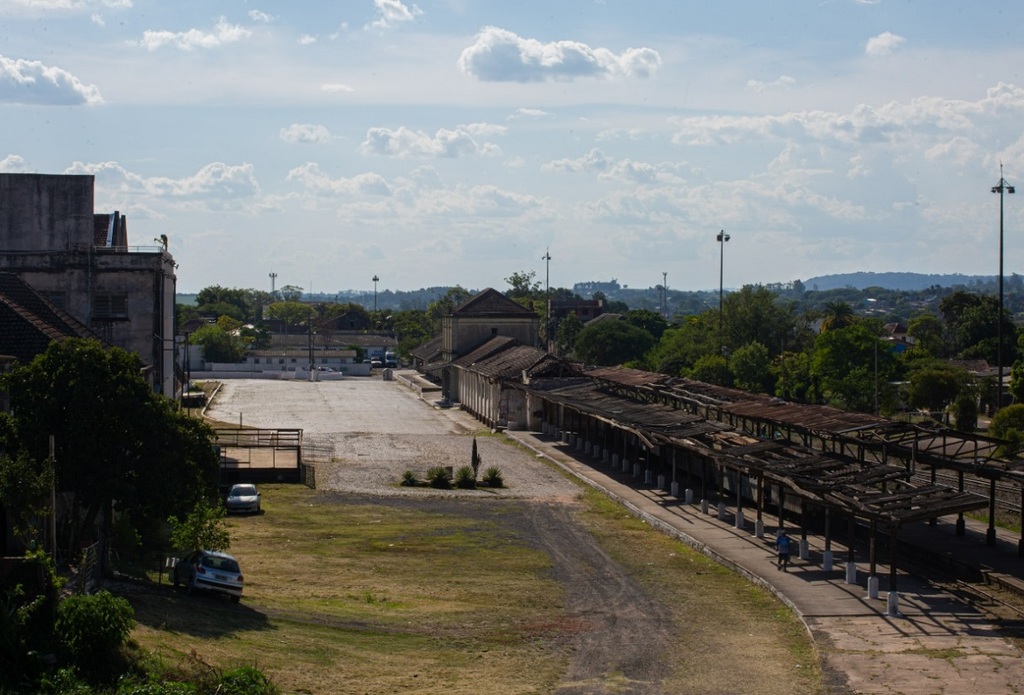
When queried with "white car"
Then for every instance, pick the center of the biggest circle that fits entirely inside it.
(243, 497)
(207, 570)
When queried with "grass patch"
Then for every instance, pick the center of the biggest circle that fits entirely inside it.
(346, 595)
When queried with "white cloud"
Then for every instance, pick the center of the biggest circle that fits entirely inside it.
(316, 181)
(883, 44)
(214, 181)
(66, 5)
(261, 17)
(783, 82)
(390, 13)
(12, 164)
(224, 33)
(306, 40)
(305, 133)
(403, 142)
(499, 55)
(625, 170)
(336, 87)
(31, 82)
(529, 113)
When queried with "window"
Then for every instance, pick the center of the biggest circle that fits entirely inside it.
(110, 305)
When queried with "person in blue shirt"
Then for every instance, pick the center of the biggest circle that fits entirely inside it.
(782, 546)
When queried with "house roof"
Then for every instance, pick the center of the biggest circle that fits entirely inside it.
(29, 323)
(504, 357)
(490, 302)
(429, 351)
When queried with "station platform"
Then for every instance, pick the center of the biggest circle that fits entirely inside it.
(921, 640)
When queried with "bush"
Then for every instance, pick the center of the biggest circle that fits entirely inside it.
(465, 479)
(492, 478)
(246, 681)
(409, 479)
(439, 477)
(92, 629)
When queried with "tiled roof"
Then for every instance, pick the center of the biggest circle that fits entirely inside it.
(29, 323)
(491, 303)
(503, 357)
(429, 351)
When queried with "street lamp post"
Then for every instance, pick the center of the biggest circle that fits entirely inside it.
(375, 279)
(722, 237)
(547, 298)
(1001, 188)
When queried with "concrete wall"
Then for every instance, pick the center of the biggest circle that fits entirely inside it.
(42, 212)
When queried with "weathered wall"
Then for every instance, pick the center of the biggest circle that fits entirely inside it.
(44, 212)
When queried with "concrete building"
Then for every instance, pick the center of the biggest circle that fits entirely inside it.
(82, 263)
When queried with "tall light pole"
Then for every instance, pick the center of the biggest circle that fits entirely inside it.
(273, 285)
(547, 297)
(721, 238)
(375, 280)
(1001, 188)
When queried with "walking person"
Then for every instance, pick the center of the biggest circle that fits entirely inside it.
(782, 543)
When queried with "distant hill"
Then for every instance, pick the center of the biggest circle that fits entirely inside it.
(893, 281)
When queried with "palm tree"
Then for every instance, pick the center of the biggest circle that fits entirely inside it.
(837, 315)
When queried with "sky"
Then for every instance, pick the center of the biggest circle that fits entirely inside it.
(459, 142)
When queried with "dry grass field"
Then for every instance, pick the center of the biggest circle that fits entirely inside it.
(359, 594)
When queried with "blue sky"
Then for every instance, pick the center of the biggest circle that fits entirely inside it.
(454, 141)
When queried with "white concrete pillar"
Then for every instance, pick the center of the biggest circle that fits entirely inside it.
(759, 528)
(674, 489)
(661, 482)
(565, 437)
(893, 605)
(648, 476)
(826, 560)
(604, 456)
(721, 510)
(596, 451)
(805, 549)
(615, 460)
(703, 506)
(851, 572)
(625, 465)
(739, 521)
(636, 469)
(688, 495)
(872, 587)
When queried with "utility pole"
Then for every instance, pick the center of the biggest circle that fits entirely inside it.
(273, 288)
(547, 297)
(1003, 187)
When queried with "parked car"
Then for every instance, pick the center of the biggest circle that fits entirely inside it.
(209, 570)
(243, 497)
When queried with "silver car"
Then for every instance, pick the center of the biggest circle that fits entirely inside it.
(243, 497)
(209, 570)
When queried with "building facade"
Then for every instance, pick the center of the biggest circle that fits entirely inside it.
(81, 261)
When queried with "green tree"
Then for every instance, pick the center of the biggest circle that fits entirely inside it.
(569, 329)
(751, 368)
(291, 312)
(611, 343)
(755, 315)
(681, 346)
(201, 529)
(929, 334)
(837, 315)
(651, 321)
(711, 369)
(219, 345)
(114, 439)
(522, 286)
(1008, 424)
(935, 386)
(844, 365)
(25, 490)
(793, 379)
(965, 411)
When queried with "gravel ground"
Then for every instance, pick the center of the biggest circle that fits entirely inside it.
(375, 431)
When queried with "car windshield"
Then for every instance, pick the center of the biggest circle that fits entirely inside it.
(224, 564)
(243, 491)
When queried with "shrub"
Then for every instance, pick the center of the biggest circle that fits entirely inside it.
(465, 479)
(246, 680)
(92, 629)
(439, 477)
(492, 478)
(409, 479)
